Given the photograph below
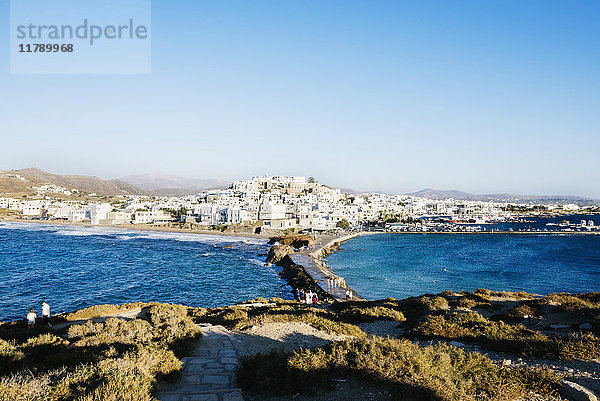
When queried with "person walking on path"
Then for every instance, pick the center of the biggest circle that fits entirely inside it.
(46, 313)
(31, 316)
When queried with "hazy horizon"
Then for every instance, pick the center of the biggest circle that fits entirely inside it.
(367, 190)
(494, 97)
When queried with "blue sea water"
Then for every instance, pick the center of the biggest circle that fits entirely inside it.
(402, 265)
(76, 266)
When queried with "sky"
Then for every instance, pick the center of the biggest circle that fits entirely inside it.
(486, 97)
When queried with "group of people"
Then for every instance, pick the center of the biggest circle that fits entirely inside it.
(335, 282)
(31, 316)
(307, 297)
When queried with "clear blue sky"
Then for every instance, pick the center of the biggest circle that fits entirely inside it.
(480, 96)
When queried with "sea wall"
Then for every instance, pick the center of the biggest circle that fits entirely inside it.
(333, 246)
(295, 274)
(304, 269)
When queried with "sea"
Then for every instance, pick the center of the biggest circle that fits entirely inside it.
(403, 265)
(73, 267)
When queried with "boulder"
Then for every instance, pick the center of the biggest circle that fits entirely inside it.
(576, 392)
(278, 252)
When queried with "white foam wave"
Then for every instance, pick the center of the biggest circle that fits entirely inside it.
(75, 233)
(128, 234)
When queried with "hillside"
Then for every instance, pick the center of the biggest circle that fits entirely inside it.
(10, 183)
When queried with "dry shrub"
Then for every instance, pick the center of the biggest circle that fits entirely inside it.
(24, 386)
(117, 359)
(501, 336)
(101, 311)
(578, 346)
(8, 354)
(112, 331)
(468, 303)
(522, 310)
(371, 314)
(442, 372)
(472, 326)
(575, 302)
(435, 303)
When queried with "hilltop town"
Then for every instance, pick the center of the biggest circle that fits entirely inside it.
(274, 203)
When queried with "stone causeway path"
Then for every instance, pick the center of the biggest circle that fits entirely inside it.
(208, 375)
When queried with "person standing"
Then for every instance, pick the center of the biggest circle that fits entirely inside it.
(31, 316)
(46, 313)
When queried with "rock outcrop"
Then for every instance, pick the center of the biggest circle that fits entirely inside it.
(576, 392)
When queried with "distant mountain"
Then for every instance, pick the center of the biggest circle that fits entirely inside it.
(173, 185)
(441, 194)
(36, 177)
(535, 199)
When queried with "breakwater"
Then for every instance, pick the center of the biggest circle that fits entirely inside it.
(303, 267)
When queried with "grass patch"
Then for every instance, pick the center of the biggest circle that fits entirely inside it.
(439, 372)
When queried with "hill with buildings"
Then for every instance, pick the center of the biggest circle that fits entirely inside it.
(24, 180)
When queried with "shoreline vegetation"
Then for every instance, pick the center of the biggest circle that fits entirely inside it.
(447, 346)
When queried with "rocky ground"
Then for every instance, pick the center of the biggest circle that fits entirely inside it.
(281, 336)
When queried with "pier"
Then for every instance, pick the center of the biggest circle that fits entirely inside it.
(313, 264)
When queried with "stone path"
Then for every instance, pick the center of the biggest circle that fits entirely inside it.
(208, 375)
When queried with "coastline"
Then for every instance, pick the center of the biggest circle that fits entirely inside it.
(142, 227)
(276, 233)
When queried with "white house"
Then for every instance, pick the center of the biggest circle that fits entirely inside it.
(99, 211)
